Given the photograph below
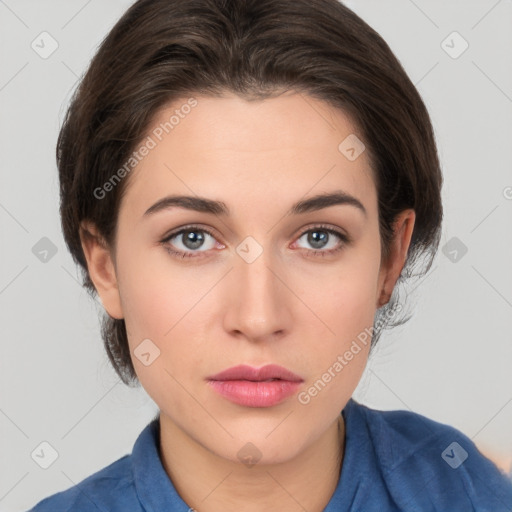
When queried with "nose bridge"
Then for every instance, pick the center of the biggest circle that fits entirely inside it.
(256, 275)
(259, 304)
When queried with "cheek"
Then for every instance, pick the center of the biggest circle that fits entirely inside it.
(149, 303)
(348, 311)
(165, 304)
(344, 296)
(338, 355)
(345, 300)
(155, 292)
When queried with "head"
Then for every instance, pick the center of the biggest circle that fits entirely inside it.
(223, 100)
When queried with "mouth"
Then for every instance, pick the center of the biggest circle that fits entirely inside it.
(255, 387)
(267, 373)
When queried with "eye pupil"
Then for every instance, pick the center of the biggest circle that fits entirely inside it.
(194, 237)
(317, 240)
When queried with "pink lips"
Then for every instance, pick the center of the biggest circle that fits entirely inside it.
(256, 387)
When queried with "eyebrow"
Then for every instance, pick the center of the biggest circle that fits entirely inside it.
(202, 204)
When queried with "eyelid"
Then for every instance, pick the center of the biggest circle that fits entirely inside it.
(189, 227)
(327, 227)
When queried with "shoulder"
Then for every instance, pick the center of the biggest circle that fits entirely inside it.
(107, 489)
(419, 457)
(111, 488)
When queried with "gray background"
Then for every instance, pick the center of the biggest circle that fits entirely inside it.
(451, 362)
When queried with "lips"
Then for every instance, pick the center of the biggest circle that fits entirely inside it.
(255, 387)
(268, 373)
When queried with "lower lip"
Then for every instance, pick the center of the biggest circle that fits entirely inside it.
(255, 394)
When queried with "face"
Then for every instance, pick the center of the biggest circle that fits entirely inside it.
(259, 283)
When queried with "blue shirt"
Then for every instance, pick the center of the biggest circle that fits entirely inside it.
(393, 461)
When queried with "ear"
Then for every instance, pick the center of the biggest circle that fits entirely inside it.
(390, 270)
(101, 268)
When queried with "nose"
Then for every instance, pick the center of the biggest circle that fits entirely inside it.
(259, 302)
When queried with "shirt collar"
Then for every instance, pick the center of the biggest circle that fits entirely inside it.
(352, 490)
(153, 486)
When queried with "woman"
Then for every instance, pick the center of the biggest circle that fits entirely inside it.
(244, 184)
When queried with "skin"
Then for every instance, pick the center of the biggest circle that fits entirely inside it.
(214, 311)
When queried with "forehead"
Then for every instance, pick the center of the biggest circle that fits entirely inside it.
(273, 151)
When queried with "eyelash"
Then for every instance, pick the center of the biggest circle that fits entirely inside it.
(180, 254)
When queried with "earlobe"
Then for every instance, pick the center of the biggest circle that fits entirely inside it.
(101, 269)
(390, 271)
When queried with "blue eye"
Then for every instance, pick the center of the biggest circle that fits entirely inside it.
(193, 238)
(320, 237)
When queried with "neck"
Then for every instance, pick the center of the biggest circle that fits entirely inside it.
(208, 482)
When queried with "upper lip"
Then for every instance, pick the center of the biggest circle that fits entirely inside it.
(245, 372)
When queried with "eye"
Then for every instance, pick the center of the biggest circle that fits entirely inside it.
(185, 242)
(323, 240)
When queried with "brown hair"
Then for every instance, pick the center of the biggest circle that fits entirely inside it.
(165, 49)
